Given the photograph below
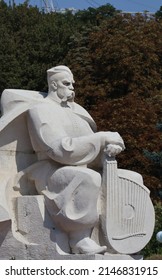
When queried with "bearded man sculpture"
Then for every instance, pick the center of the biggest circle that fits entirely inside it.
(68, 159)
(62, 134)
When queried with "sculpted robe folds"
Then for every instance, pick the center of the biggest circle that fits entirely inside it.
(72, 188)
(47, 147)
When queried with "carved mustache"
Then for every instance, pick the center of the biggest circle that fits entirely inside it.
(71, 95)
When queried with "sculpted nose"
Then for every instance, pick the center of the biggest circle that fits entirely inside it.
(71, 87)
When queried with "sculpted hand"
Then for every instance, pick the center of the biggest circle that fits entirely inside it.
(112, 150)
(111, 138)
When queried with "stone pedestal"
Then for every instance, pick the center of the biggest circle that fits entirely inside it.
(33, 236)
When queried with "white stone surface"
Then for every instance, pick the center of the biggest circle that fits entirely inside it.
(50, 159)
(127, 212)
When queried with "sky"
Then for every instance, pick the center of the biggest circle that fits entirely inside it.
(124, 5)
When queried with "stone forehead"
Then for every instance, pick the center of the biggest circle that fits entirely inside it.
(58, 69)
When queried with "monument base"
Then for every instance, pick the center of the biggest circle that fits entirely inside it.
(12, 249)
(33, 236)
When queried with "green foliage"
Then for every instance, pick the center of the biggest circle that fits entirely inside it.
(118, 70)
(156, 158)
(154, 248)
(127, 51)
(117, 64)
(123, 55)
(159, 126)
(154, 257)
(158, 14)
(30, 43)
(94, 17)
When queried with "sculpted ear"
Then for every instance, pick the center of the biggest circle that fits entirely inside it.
(54, 86)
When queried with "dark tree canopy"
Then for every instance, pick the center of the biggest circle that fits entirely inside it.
(158, 14)
(117, 64)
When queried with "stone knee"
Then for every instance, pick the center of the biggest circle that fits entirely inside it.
(75, 191)
(61, 178)
(95, 178)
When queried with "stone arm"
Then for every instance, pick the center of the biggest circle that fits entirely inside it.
(51, 138)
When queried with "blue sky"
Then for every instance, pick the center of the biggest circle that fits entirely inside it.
(124, 5)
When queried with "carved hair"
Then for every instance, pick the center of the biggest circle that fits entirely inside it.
(55, 70)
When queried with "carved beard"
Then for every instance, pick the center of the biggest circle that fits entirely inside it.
(68, 95)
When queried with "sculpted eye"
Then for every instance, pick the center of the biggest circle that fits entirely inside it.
(66, 83)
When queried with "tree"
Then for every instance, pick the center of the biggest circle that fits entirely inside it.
(127, 51)
(8, 59)
(156, 158)
(95, 16)
(158, 14)
(117, 66)
(153, 249)
(31, 43)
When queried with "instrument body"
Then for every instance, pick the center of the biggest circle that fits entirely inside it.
(128, 216)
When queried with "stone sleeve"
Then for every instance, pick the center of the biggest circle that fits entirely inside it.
(52, 139)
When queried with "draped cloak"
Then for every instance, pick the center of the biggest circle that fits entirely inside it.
(47, 138)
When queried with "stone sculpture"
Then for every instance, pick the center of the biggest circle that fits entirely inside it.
(51, 161)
